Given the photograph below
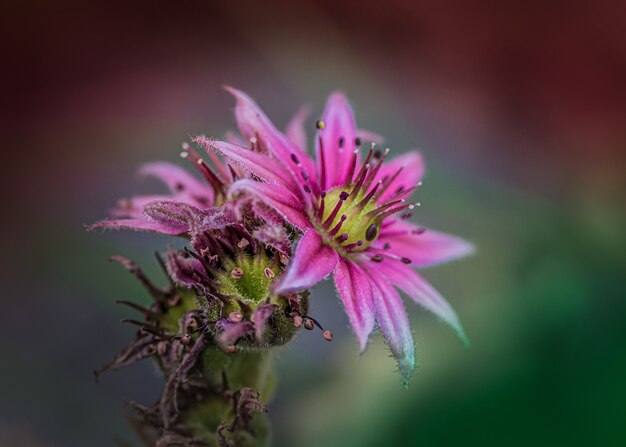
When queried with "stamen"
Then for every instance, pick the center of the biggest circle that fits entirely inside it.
(236, 273)
(243, 243)
(327, 335)
(269, 273)
(374, 171)
(342, 197)
(392, 179)
(338, 226)
(353, 245)
(320, 125)
(383, 207)
(204, 169)
(320, 212)
(395, 210)
(360, 179)
(363, 203)
(306, 188)
(295, 159)
(341, 142)
(418, 231)
(352, 168)
(341, 239)
(322, 163)
(377, 258)
(357, 141)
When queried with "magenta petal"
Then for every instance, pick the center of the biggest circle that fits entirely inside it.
(133, 207)
(423, 247)
(180, 182)
(355, 292)
(312, 262)
(258, 164)
(184, 270)
(368, 135)
(412, 171)
(277, 197)
(422, 293)
(393, 321)
(254, 123)
(295, 130)
(260, 316)
(139, 225)
(339, 124)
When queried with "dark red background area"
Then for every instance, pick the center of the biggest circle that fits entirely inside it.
(521, 96)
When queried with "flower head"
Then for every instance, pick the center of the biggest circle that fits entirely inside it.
(351, 210)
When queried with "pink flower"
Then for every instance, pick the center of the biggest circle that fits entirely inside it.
(347, 209)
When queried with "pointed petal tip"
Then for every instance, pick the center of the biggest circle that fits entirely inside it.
(238, 94)
(406, 366)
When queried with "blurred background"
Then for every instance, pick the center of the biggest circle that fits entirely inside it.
(520, 111)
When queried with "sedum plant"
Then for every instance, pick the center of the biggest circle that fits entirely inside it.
(262, 224)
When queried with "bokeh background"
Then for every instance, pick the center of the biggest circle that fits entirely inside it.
(519, 110)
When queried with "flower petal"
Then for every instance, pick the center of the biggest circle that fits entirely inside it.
(295, 130)
(368, 135)
(393, 321)
(139, 225)
(175, 215)
(423, 247)
(312, 262)
(276, 197)
(254, 123)
(184, 270)
(339, 124)
(411, 167)
(133, 207)
(183, 184)
(260, 316)
(258, 164)
(422, 293)
(355, 292)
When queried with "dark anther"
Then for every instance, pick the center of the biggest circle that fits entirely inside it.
(387, 246)
(420, 230)
(294, 158)
(405, 260)
(344, 195)
(377, 258)
(179, 187)
(305, 176)
(341, 141)
(357, 141)
(377, 154)
(308, 324)
(307, 188)
(371, 232)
